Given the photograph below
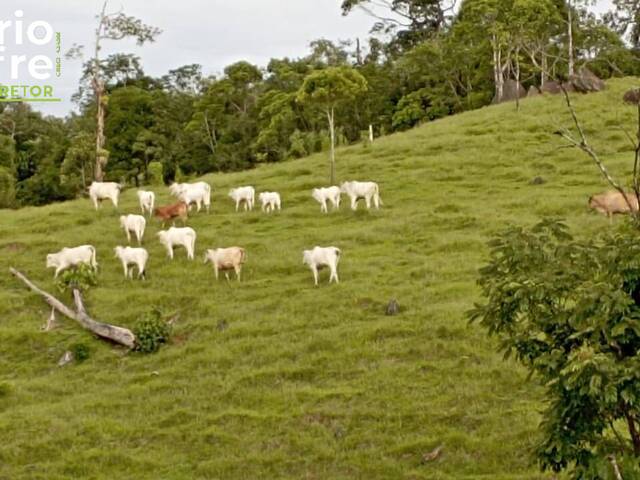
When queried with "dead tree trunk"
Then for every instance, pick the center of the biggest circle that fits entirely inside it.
(116, 334)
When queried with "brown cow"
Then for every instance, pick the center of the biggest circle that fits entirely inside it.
(612, 202)
(171, 212)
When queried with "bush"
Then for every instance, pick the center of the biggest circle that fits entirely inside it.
(81, 278)
(80, 352)
(151, 332)
(7, 188)
(155, 173)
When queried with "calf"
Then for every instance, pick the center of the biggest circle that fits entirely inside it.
(366, 190)
(225, 259)
(70, 257)
(321, 257)
(132, 256)
(171, 212)
(99, 191)
(147, 200)
(270, 201)
(178, 236)
(135, 224)
(609, 203)
(243, 194)
(321, 195)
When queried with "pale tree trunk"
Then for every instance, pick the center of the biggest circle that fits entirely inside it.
(570, 34)
(332, 130)
(543, 76)
(498, 77)
(120, 335)
(99, 90)
(517, 75)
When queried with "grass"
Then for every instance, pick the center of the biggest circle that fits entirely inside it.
(273, 378)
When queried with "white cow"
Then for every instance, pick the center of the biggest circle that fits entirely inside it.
(132, 256)
(135, 224)
(147, 200)
(225, 259)
(321, 195)
(198, 193)
(270, 201)
(70, 257)
(321, 257)
(243, 194)
(185, 236)
(366, 190)
(98, 191)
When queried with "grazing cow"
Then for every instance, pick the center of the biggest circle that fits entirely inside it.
(135, 224)
(225, 259)
(321, 195)
(366, 190)
(70, 257)
(321, 257)
(243, 194)
(147, 201)
(98, 191)
(171, 212)
(198, 193)
(612, 202)
(132, 256)
(185, 236)
(270, 201)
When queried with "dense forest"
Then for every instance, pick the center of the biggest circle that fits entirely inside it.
(425, 59)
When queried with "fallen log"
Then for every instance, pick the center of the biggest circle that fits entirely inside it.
(120, 335)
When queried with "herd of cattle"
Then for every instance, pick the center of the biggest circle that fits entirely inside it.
(199, 195)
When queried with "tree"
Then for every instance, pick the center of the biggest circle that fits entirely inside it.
(328, 89)
(111, 26)
(625, 19)
(411, 21)
(569, 311)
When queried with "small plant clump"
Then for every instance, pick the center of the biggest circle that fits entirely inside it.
(80, 351)
(80, 278)
(151, 332)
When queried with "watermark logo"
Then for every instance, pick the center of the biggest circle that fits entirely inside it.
(30, 55)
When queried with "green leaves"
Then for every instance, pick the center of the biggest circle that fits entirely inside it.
(328, 87)
(151, 332)
(80, 278)
(570, 312)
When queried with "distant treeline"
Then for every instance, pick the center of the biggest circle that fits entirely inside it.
(423, 61)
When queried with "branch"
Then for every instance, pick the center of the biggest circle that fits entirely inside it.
(120, 335)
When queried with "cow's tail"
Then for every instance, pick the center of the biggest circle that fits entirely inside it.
(338, 251)
(243, 257)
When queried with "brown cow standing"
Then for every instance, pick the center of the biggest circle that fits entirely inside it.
(612, 202)
(171, 212)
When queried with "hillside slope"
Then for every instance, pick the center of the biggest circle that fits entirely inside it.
(305, 382)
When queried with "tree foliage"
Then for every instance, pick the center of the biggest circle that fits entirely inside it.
(569, 311)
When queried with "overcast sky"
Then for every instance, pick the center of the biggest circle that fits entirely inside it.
(213, 33)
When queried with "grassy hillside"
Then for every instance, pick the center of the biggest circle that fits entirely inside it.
(305, 382)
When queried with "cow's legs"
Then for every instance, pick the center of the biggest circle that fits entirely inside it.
(314, 269)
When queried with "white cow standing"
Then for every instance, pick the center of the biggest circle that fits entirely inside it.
(132, 256)
(99, 191)
(184, 236)
(321, 257)
(366, 190)
(322, 194)
(270, 201)
(70, 257)
(135, 224)
(225, 259)
(198, 193)
(243, 194)
(147, 200)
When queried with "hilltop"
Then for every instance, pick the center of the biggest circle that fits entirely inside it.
(273, 378)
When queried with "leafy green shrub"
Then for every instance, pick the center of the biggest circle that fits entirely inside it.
(7, 188)
(569, 311)
(155, 173)
(80, 351)
(151, 332)
(81, 278)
